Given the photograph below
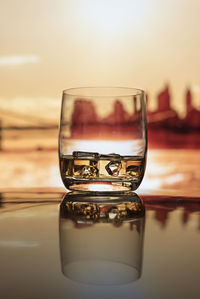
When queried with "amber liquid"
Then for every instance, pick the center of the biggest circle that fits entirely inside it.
(84, 168)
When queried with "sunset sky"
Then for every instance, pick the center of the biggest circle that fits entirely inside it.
(47, 46)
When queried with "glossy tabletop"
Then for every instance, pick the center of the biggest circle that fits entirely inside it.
(49, 248)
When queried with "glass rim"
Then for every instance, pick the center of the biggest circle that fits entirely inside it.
(93, 91)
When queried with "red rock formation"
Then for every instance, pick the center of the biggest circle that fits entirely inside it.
(189, 106)
(164, 100)
(118, 116)
(84, 119)
(165, 127)
(192, 118)
(84, 112)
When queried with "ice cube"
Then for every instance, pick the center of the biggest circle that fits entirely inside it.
(113, 168)
(90, 211)
(81, 162)
(84, 155)
(78, 166)
(113, 213)
(112, 156)
(85, 211)
(89, 172)
(133, 170)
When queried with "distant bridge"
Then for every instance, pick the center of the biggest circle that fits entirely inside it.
(38, 121)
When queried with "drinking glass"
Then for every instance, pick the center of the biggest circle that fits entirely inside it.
(102, 138)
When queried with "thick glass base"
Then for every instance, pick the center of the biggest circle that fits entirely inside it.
(101, 185)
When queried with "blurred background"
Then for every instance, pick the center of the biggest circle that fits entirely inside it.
(48, 46)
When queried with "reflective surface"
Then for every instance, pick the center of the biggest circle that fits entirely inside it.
(101, 237)
(31, 244)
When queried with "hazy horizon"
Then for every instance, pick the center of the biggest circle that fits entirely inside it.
(47, 47)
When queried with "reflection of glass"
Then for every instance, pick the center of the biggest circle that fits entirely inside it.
(103, 140)
(101, 241)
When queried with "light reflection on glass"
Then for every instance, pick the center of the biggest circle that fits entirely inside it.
(101, 237)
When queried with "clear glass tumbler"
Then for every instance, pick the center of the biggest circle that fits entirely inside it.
(103, 138)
